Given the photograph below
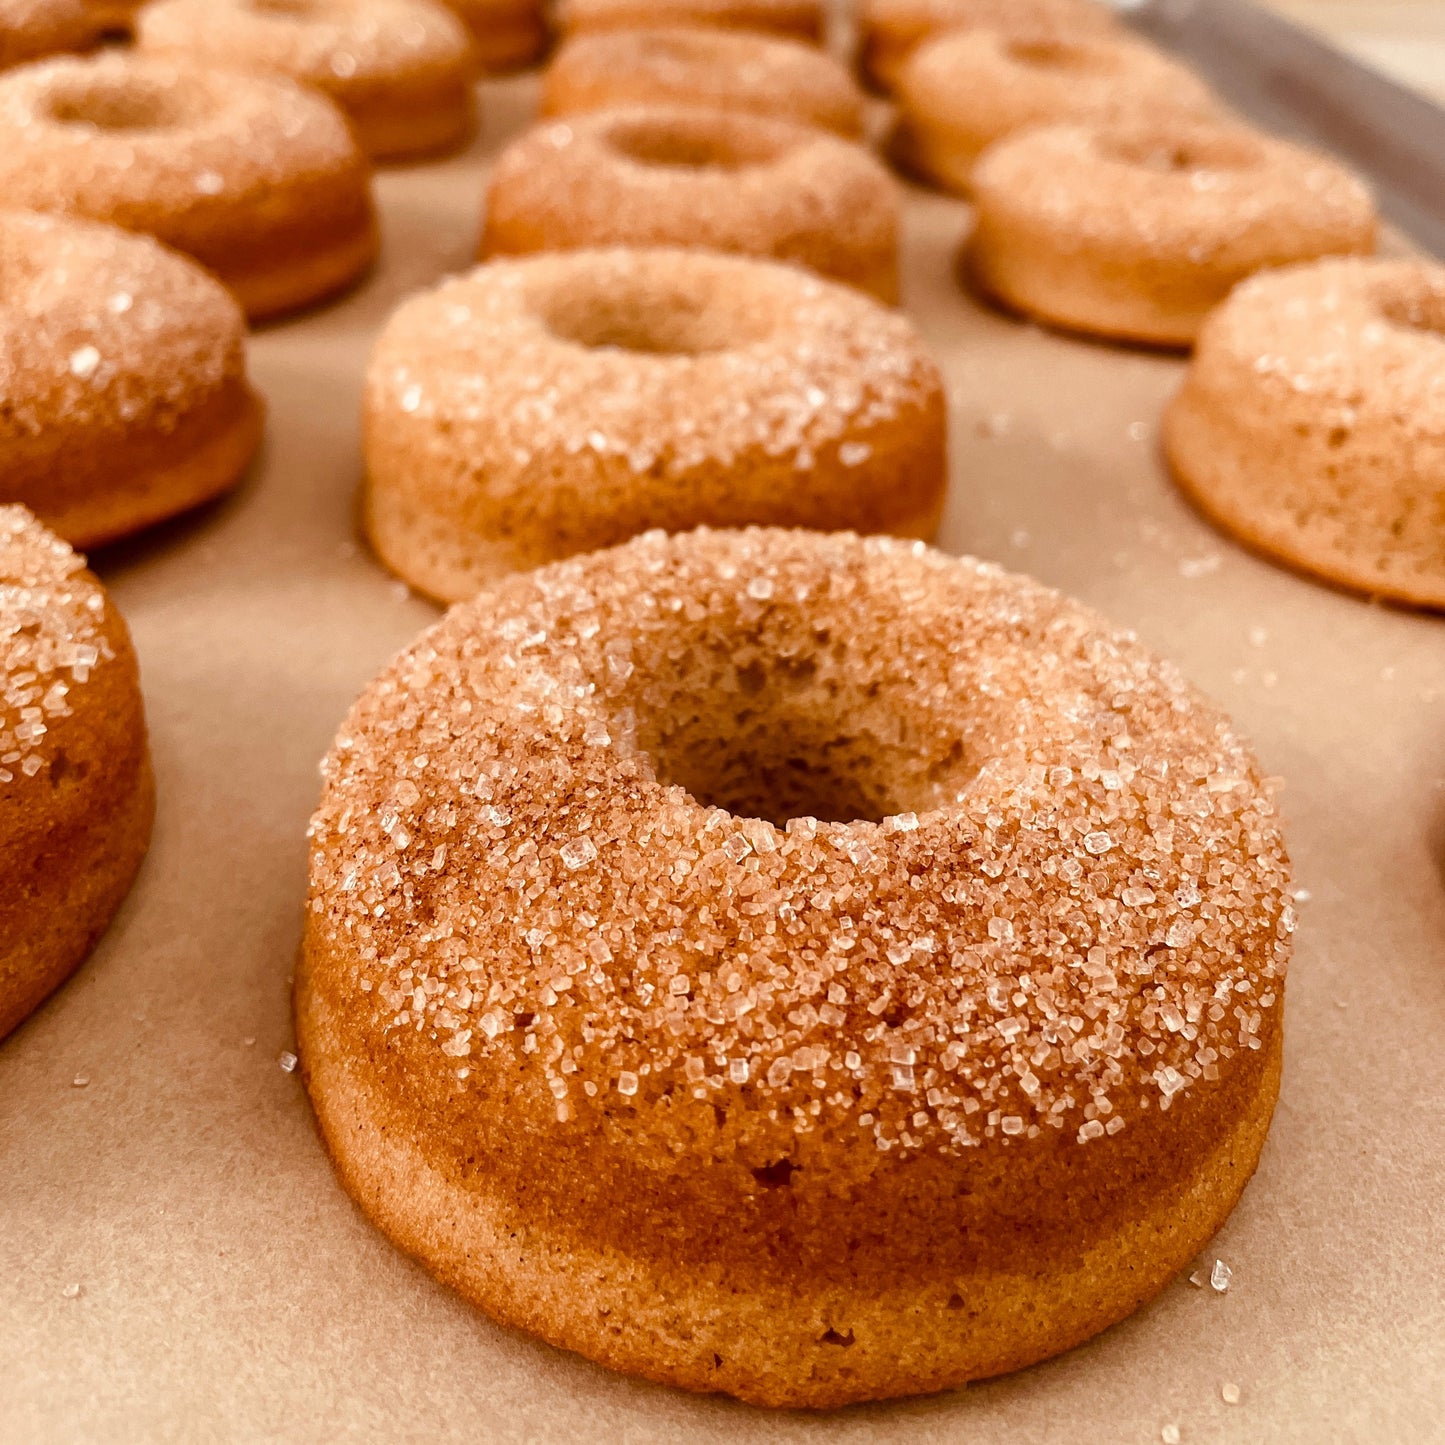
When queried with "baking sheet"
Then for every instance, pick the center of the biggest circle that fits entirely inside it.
(177, 1262)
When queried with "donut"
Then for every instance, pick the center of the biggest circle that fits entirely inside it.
(791, 19)
(965, 90)
(33, 29)
(506, 34)
(812, 968)
(1311, 423)
(1136, 230)
(258, 178)
(114, 18)
(633, 389)
(76, 795)
(124, 366)
(714, 69)
(890, 30)
(402, 70)
(674, 175)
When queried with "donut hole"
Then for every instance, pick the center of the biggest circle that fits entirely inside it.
(686, 145)
(116, 104)
(1180, 155)
(635, 314)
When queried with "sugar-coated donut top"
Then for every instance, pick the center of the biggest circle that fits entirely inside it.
(30, 29)
(914, 18)
(625, 14)
(679, 65)
(1215, 192)
(52, 636)
(662, 356)
(742, 181)
(102, 328)
(1048, 78)
(331, 43)
(1064, 902)
(123, 132)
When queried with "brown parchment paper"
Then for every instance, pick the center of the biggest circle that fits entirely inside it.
(227, 1288)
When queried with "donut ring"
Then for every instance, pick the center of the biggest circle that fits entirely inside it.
(675, 176)
(506, 34)
(76, 795)
(1137, 231)
(678, 388)
(1311, 423)
(126, 399)
(258, 178)
(33, 29)
(115, 18)
(714, 69)
(789, 19)
(814, 1113)
(890, 30)
(402, 70)
(963, 91)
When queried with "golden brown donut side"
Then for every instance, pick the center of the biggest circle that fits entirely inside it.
(790, 19)
(75, 805)
(33, 29)
(506, 34)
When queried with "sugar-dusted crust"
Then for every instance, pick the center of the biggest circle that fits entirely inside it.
(123, 366)
(1311, 423)
(550, 405)
(402, 70)
(682, 65)
(674, 176)
(1137, 229)
(76, 795)
(257, 177)
(807, 1113)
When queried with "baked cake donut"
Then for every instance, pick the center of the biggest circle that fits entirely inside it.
(506, 34)
(402, 70)
(258, 178)
(1311, 423)
(76, 795)
(890, 30)
(716, 69)
(1136, 230)
(124, 366)
(626, 390)
(786, 964)
(791, 19)
(33, 29)
(960, 93)
(114, 17)
(673, 175)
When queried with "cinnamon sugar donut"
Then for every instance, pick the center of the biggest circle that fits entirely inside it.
(33, 29)
(402, 70)
(633, 389)
(890, 30)
(804, 967)
(658, 176)
(506, 34)
(960, 93)
(711, 68)
(1137, 230)
(1311, 423)
(123, 369)
(76, 795)
(791, 19)
(258, 178)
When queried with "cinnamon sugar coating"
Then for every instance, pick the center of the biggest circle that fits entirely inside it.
(791, 19)
(75, 787)
(961, 92)
(400, 69)
(255, 176)
(123, 369)
(33, 29)
(1311, 423)
(716, 69)
(727, 181)
(890, 30)
(1136, 230)
(559, 403)
(829, 913)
